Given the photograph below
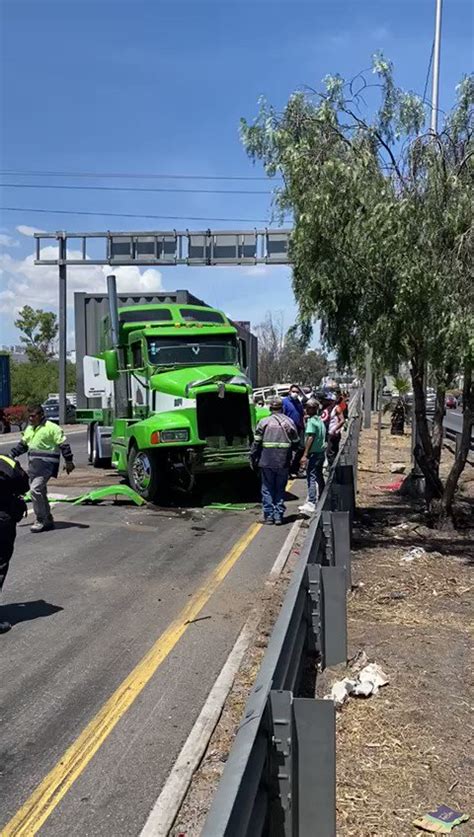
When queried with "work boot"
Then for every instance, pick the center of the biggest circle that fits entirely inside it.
(42, 527)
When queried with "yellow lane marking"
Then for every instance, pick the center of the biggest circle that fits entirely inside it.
(42, 802)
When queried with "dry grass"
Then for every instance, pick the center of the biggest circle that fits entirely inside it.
(404, 751)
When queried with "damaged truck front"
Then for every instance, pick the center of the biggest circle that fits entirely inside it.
(179, 403)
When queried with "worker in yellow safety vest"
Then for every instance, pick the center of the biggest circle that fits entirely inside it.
(13, 484)
(45, 442)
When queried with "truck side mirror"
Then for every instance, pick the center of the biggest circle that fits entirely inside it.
(112, 364)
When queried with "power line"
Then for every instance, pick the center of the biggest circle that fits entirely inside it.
(428, 71)
(148, 175)
(131, 215)
(133, 189)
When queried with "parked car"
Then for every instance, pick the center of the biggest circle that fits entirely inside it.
(430, 399)
(51, 411)
(451, 402)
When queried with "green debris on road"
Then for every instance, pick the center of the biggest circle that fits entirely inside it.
(111, 491)
(97, 495)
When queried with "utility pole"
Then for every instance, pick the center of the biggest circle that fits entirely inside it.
(62, 328)
(436, 62)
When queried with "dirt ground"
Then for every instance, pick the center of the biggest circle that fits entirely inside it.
(408, 749)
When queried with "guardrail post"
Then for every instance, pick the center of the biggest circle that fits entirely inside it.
(314, 755)
(313, 575)
(281, 766)
(328, 537)
(333, 616)
(343, 494)
(341, 532)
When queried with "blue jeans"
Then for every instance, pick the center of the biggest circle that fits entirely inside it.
(273, 492)
(314, 476)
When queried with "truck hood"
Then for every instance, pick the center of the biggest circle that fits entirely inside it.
(181, 381)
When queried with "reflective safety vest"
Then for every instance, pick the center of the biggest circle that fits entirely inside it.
(13, 482)
(45, 444)
(276, 435)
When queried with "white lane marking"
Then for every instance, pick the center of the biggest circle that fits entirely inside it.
(169, 801)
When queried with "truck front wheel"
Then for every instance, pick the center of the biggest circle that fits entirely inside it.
(143, 473)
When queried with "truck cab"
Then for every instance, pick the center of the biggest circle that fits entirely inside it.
(181, 400)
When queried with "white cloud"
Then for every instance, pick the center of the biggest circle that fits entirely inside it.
(7, 241)
(23, 282)
(29, 231)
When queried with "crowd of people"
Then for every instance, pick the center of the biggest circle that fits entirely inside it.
(301, 434)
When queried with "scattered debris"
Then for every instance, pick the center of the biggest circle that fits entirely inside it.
(397, 468)
(412, 554)
(395, 596)
(197, 619)
(358, 661)
(441, 821)
(392, 486)
(368, 682)
(97, 496)
(232, 506)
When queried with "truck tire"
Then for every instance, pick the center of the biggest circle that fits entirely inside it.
(143, 473)
(94, 458)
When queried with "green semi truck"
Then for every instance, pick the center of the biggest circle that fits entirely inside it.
(175, 396)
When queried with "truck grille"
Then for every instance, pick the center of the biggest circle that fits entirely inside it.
(227, 418)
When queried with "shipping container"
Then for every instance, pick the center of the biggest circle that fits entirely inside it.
(5, 381)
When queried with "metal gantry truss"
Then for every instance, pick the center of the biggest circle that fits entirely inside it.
(165, 248)
(169, 247)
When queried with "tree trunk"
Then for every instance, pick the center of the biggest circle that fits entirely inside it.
(423, 452)
(439, 414)
(462, 449)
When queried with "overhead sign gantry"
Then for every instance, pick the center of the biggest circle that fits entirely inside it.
(165, 248)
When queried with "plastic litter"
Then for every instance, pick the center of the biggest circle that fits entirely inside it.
(392, 486)
(441, 821)
(397, 468)
(367, 682)
(412, 554)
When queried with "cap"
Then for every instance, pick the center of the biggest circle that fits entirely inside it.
(275, 403)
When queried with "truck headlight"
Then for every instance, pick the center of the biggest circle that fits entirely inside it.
(175, 435)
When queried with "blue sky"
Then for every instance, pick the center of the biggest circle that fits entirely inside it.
(150, 86)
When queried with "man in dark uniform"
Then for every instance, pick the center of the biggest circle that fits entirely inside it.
(13, 484)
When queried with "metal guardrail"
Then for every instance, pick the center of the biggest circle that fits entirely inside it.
(280, 777)
(452, 428)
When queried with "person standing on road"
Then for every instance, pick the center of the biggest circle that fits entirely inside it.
(293, 407)
(45, 442)
(336, 423)
(313, 456)
(13, 484)
(276, 437)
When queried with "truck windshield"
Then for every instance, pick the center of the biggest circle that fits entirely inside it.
(192, 351)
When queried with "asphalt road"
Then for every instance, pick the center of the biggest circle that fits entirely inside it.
(88, 601)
